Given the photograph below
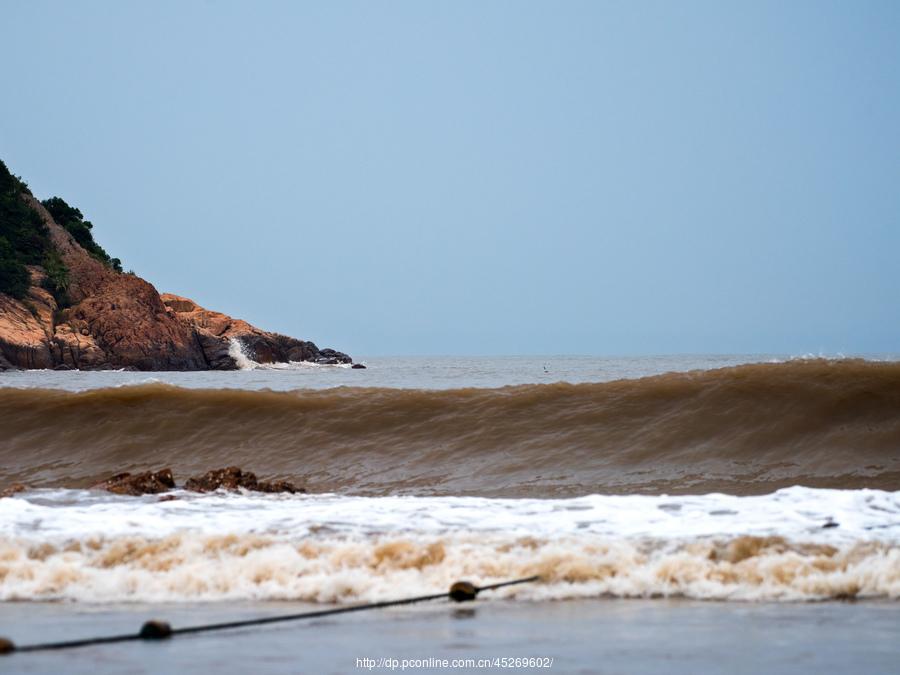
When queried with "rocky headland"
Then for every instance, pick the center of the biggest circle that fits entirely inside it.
(76, 310)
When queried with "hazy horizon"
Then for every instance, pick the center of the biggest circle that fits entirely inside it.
(501, 178)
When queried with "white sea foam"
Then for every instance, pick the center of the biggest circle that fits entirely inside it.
(245, 362)
(241, 358)
(95, 547)
(54, 515)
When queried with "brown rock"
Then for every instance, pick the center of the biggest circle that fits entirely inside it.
(229, 478)
(145, 483)
(278, 486)
(75, 350)
(233, 477)
(26, 326)
(127, 320)
(216, 331)
(13, 489)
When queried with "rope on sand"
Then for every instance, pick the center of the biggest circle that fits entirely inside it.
(461, 591)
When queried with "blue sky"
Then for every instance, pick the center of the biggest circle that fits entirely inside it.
(482, 177)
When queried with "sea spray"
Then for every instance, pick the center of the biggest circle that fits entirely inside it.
(240, 356)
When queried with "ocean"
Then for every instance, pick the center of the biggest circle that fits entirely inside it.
(679, 511)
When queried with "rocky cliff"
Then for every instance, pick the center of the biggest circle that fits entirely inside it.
(116, 320)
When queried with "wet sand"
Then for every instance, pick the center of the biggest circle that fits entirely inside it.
(590, 636)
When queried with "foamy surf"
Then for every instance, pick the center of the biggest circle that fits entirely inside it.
(795, 544)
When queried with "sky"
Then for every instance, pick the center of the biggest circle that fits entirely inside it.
(482, 177)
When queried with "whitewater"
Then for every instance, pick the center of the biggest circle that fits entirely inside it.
(795, 544)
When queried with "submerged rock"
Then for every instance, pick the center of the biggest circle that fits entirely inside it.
(278, 486)
(233, 478)
(13, 489)
(145, 483)
(156, 482)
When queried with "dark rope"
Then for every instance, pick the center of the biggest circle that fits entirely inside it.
(461, 591)
(491, 587)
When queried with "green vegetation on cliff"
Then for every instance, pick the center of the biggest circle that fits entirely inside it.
(73, 220)
(57, 279)
(25, 240)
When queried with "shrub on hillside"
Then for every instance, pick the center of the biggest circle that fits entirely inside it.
(25, 239)
(57, 279)
(14, 276)
(20, 225)
(73, 221)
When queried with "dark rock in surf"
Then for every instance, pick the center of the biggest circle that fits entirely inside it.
(278, 486)
(13, 489)
(234, 478)
(358, 366)
(217, 351)
(145, 483)
(330, 357)
(229, 478)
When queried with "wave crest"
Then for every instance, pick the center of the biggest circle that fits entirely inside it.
(747, 429)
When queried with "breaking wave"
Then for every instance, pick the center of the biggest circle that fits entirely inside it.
(183, 567)
(795, 544)
(745, 430)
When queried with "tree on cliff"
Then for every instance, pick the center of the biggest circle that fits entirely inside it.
(24, 239)
(73, 220)
(14, 277)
